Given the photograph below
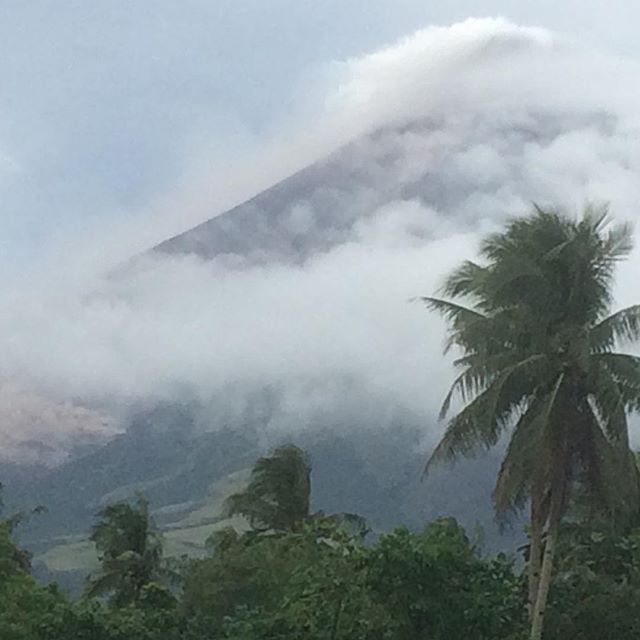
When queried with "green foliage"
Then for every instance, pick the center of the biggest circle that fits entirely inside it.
(596, 592)
(277, 497)
(12, 559)
(329, 597)
(325, 584)
(437, 587)
(130, 553)
(29, 611)
(251, 571)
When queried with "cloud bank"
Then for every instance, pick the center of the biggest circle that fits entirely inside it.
(460, 128)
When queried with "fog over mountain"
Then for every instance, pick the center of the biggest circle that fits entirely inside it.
(272, 300)
(417, 150)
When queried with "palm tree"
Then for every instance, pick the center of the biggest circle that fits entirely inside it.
(537, 362)
(278, 495)
(13, 559)
(130, 552)
(278, 499)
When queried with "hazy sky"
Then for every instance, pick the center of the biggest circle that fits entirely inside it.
(106, 105)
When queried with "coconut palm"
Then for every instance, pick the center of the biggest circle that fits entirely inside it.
(278, 499)
(130, 552)
(278, 494)
(537, 363)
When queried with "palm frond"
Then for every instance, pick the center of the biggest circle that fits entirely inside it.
(622, 326)
(614, 472)
(618, 242)
(553, 398)
(466, 281)
(556, 252)
(523, 459)
(596, 217)
(528, 459)
(102, 584)
(460, 317)
(482, 370)
(450, 310)
(479, 424)
(610, 407)
(625, 371)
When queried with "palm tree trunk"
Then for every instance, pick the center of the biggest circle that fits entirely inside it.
(535, 552)
(336, 619)
(555, 516)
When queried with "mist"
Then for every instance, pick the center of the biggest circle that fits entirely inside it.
(460, 128)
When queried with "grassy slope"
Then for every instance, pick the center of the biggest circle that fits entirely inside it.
(186, 536)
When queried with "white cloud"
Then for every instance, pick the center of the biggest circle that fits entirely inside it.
(507, 115)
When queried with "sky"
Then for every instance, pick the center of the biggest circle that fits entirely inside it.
(122, 123)
(109, 107)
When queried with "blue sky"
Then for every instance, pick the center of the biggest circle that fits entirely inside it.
(104, 104)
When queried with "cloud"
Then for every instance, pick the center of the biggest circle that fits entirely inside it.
(471, 123)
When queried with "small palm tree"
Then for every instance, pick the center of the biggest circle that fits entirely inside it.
(278, 495)
(130, 552)
(278, 499)
(537, 361)
(13, 559)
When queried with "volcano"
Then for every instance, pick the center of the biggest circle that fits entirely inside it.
(285, 318)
